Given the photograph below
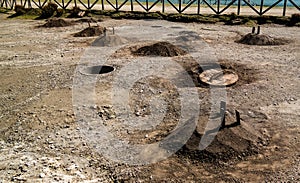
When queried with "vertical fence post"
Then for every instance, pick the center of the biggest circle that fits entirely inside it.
(102, 4)
(147, 5)
(284, 7)
(163, 5)
(179, 6)
(117, 8)
(198, 8)
(218, 7)
(239, 7)
(223, 113)
(261, 7)
(131, 5)
(238, 118)
(29, 4)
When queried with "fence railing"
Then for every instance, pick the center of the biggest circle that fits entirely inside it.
(216, 6)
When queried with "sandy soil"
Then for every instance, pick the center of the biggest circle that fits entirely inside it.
(40, 139)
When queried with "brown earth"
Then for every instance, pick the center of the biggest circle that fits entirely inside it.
(91, 31)
(56, 22)
(164, 49)
(40, 140)
(261, 39)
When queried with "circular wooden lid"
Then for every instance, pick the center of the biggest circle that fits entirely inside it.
(218, 77)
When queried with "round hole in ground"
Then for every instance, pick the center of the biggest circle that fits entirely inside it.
(98, 69)
(176, 27)
(156, 26)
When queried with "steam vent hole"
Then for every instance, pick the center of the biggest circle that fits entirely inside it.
(99, 69)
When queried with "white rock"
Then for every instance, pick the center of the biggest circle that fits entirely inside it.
(42, 175)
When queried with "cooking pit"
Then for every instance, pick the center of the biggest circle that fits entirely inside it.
(227, 73)
(98, 69)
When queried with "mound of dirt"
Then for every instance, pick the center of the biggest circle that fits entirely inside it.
(231, 142)
(91, 31)
(109, 40)
(57, 22)
(261, 39)
(164, 49)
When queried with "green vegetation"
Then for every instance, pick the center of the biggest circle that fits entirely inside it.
(51, 10)
(4, 10)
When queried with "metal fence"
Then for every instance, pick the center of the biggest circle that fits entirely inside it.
(179, 6)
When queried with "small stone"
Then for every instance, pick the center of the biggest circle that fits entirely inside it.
(146, 136)
(42, 175)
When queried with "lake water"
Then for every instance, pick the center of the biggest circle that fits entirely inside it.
(252, 2)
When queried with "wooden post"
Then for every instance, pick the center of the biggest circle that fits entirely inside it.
(179, 6)
(131, 5)
(239, 7)
(29, 4)
(238, 118)
(284, 7)
(258, 30)
(163, 5)
(218, 7)
(102, 4)
(253, 30)
(222, 113)
(261, 7)
(147, 5)
(198, 9)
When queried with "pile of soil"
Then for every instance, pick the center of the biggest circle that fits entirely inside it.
(91, 31)
(261, 39)
(232, 142)
(109, 40)
(57, 22)
(164, 49)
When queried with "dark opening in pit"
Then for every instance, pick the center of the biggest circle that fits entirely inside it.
(98, 69)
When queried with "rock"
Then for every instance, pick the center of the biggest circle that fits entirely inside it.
(42, 175)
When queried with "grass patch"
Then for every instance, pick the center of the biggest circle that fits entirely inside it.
(228, 19)
(4, 10)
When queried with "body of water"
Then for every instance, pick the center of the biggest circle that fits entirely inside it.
(224, 2)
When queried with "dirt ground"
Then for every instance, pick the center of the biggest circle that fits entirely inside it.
(40, 139)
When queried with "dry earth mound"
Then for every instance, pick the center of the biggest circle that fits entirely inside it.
(234, 141)
(164, 49)
(261, 39)
(91, 31)
(56, 22)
